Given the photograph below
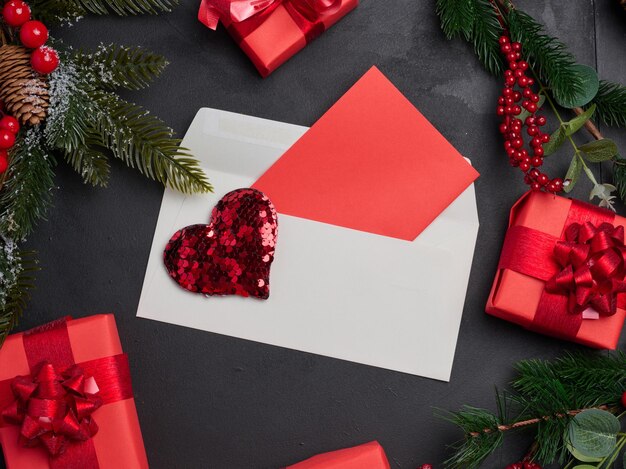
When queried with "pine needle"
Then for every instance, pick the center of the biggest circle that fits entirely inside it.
(611, 103)
(485, 34)
(457, 17)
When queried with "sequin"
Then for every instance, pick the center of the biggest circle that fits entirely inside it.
(233, 254)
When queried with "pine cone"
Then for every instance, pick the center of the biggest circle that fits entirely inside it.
(24, 92)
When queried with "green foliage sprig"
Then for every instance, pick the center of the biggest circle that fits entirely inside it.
(546, 396)
(87, 123)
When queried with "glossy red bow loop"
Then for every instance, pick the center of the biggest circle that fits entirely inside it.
(211, 11)
(593, 267)
(52, 408)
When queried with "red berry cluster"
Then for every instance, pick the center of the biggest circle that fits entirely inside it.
(524, 465)
(33, 35)
(510, 105)
(9, 127)
(425, 466)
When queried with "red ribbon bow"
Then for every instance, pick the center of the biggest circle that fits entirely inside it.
(54, 408)
(211, 11)
(593, 267)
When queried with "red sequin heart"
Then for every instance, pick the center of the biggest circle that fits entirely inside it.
(233, 254)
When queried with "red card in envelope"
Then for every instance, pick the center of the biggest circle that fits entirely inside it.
(373, 163)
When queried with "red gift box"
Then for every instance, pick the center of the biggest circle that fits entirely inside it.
(561, 271)
(88, 373)
(367, 456)
(272, 31)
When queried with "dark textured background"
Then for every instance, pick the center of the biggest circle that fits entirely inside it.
(209, 401)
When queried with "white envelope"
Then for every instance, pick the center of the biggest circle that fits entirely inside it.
(335, 291)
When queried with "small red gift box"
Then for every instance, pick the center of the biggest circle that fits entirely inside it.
(272, 31)
(367, 456)
(66, 399)
(561, 271)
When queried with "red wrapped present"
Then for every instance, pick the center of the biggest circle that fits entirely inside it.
(368, 456)
(66, 399)
(561, 271)
(271, 31)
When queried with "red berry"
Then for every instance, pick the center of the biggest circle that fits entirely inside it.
(534, 98)
(624, 399)
(500, 110)
(503, 128)
(534, 173)
(543, 179)
(545, 138)
(510, 80)
(33, 34)
(538, 152)
(4, 161)
(505, 48)
(517, 95)
(507, 92)
(44, 60)
(503, 40)
(531, 82)
(536, 161)
(523, 81)
(425, 466)
(500, 100)
(528, 92)
(516, 46)
(535, 186)
(532, 130)
(535, 142)
(16, 13)
(524, 166)
(518, 56)
(519, 73)
(508, 73)
(7, 139)
(511, 57)
(516, 110)
(530, 120)
(558, 183)
(10, 123)
(522, 64)
(517, 143)
(540, 120)
(531, 107)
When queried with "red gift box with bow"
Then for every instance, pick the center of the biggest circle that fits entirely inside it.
(562, 269)
(367, 456)
(272, 31)
(66, 399)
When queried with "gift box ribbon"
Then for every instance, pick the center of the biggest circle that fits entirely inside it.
(583, 269)
(248, 15)
(55, 405)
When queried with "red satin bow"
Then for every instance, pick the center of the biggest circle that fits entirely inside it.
(54, 408)
(211, 11)
(593, 267)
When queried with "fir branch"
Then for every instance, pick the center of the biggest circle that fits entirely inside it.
(619, 177)
(67, 10)
(485, 33)
(116, 66)
(457, 17)
(143, 141)
(27, 191)
(546, 54)
(22, 264)
(611, 103)
(90, 163)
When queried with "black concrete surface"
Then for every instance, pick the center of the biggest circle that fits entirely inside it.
(209, 401)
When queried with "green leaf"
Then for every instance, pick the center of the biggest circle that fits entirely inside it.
(525, 113)
(586, 466)
(573, 173)
(594, 432)
(579, 456)
(599, 150)
(574, 125)
(589, 89)
(556, 140)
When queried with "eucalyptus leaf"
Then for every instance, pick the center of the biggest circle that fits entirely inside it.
(585, 466)
(577, 122)
(573, 173)
(590, 85)
(579, 456)
(593, 432)
(599, 150)
(556, 140)
(524, 114)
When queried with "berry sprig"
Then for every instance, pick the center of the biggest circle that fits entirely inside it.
(9, 127)
(518, 94)
(33, 35)
(524, 465)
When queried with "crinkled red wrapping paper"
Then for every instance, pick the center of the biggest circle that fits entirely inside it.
(118, 443)
(276, 37)
(367, 456)
(515, 296)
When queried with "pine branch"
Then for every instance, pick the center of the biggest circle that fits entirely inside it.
(457, 17)
(548, 395)
(619, 177)
(69, 10)
(611, 103)
(90, 163)
(546, 54)
(485, 34)
(143, 141)
(20, 267)
(116, 66)
(27, 191)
